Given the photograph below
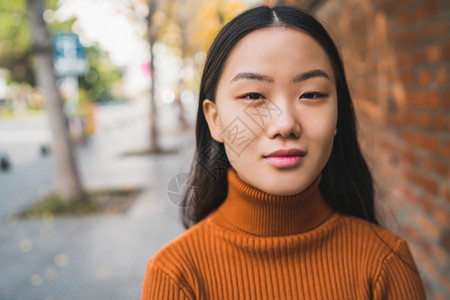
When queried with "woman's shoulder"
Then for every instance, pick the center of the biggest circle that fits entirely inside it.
(174, 264)
(387, 257)
(172, 268)
(361, 228)
(371, 239)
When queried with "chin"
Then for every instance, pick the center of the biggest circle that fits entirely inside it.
(283, 189)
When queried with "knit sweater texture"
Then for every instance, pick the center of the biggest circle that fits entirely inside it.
(262, 246)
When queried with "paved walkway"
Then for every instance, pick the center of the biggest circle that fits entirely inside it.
(91, 257)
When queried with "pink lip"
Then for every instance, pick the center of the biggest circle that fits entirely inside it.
(285, 158)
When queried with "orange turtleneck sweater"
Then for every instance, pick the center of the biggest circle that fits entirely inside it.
(262, 246)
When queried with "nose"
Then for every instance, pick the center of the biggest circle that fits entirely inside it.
(285, 124)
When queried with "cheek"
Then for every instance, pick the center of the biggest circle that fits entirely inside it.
(239, 131)
(320, 128)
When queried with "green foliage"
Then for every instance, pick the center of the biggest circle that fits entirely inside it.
(105, 201)
(96, 84)
(53, 204)
(58, 26)
(15, 39)
(14, 29)
(15, 52)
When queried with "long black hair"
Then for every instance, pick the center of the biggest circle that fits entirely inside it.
(346, 184)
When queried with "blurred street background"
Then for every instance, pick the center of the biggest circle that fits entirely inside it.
(98, 95)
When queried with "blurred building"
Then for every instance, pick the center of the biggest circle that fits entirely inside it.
(397, 58)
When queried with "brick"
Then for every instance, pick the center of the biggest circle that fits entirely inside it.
(426, 203)
(441, 168)
(406, 39)
(433, 29)
(429, 228)
(436, 166)
(385, 145)
(394, 38)
(439, 296)
(445, 100)
(395, 119)
(405, 17)
(419, 118)
(410, 117)
(408, 154)
(407, 78)
(441, 122)
(405, 59)
(441, 77)
(428, 142)
(423, 182)
(425, 99)
(418, 57)
(395, 6)
(423, 244)
(442, 216)
(446, 148)
(427, 163)
(409, 137)
(444, 284)
(431, 270)
(425, 78)
(433, 53)
(445, 193)
(426, 9)
(446, 49)
(445, 240)
(439, 253)
(410, 233)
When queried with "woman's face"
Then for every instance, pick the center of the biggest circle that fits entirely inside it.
(276, 110)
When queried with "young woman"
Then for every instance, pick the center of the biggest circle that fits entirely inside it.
(280, 195)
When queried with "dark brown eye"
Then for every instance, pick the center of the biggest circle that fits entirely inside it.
(253, 96)
(312, 95)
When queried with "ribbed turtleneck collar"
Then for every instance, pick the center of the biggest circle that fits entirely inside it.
(258, 213)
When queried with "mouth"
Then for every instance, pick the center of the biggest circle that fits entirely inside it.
(285, 158)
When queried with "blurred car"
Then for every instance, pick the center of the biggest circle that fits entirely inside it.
(5, 164)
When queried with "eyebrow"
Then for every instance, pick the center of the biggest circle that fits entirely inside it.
(301, 77)
(252, 76)
(311, 74)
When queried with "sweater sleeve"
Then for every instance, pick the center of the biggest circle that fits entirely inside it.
(159, 285)
(399, 278)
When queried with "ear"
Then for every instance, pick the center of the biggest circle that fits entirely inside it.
(213, 120)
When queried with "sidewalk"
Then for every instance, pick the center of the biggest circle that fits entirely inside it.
(91, 257)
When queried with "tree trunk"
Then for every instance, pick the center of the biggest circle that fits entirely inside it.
(69, 183)
(153, 139)
(153, 147)
(183, 21)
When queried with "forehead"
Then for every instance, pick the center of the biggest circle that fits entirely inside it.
(277, 50)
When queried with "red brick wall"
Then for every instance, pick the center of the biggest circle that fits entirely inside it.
(397, 58)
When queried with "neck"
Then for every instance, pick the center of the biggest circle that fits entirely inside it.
(259, 213)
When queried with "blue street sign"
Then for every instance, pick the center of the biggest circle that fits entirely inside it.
(68, 55)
